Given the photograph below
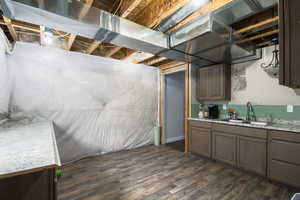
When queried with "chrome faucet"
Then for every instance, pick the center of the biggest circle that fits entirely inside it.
(250, 113)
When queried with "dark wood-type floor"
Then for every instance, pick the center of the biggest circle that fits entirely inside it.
(179, 145)
(161, 173)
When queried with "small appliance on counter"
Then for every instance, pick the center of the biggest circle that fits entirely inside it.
(213, 111)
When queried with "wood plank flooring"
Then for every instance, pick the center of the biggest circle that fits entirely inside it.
(179, 145)
(159, 173)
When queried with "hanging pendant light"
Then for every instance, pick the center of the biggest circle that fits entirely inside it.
(273, 67)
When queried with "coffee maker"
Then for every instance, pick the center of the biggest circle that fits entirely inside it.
(213, 111)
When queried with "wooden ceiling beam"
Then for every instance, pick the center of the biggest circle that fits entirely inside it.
(42, 30)
(71, 41)
(153, 60)
(128, 7)
(257, 25)
(269, 33)
(10, 27)
(93, 47)
(82, 14)
(170, 65)
(211, 6)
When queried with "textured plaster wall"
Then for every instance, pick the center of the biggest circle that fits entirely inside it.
(251, 83)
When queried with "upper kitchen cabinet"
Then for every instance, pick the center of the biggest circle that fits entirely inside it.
(289, 23)
(214, 83)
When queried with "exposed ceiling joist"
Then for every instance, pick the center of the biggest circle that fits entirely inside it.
(153, 14)
(42, 30)
(125, 10)
(93, 47)
(113, 51)
(158, 10)
(213, 5)
(10, 27)
(71, 41)
(269, 33)
(128, 7)
(260, 24)
(82, 14)
(170, 65)
(153, 60)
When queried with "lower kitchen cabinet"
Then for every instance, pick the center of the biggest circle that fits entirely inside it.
(284, 157)
(224, 147)
(272, 154)
(200, 141)
(33, 186)
(242, 147)
(252, 154)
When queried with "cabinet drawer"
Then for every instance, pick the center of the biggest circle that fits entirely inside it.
(285, 151)
(200, 141)
(242, 131)
(285, 173)
(287, 136)
(200, 124)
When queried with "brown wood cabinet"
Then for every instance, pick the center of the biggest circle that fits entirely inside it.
(273, 154)
(242, 147)
(214, 83)
(224, 147)
(200, 138)
(33, 186)
(284, 157)
(252, 154)
(289, 25)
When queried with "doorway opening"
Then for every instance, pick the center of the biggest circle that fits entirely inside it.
(174, 110)
(175, 106)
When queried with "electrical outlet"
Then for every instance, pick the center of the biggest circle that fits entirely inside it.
(224, 106)
(290, 108)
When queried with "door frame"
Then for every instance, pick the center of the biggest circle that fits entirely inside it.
(186, 68)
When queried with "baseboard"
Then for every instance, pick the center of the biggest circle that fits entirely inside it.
(174, 139)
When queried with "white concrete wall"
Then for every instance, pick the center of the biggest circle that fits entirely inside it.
(251, 83)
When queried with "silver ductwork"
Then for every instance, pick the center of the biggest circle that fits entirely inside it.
(72, 16)
(205, 41)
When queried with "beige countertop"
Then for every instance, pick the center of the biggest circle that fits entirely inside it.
(290, 127)
(28, 149)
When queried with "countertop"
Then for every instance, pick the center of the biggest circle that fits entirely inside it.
(28, 149)
(274, 126)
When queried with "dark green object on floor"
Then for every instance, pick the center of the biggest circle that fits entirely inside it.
(58, 172)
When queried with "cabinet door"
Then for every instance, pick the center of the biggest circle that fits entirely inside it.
(224, 147)
(200, 141)
(289, 42)
(216, 86)
(252, 154)
(202, 90)
(33, 186)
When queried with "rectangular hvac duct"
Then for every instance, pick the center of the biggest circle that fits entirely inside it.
(206, 40)
(81, 19)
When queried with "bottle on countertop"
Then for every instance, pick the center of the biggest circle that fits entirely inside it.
(200, 114)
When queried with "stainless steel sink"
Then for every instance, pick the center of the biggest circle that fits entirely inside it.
(236, 121)
(259, 123)
(240, 121)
